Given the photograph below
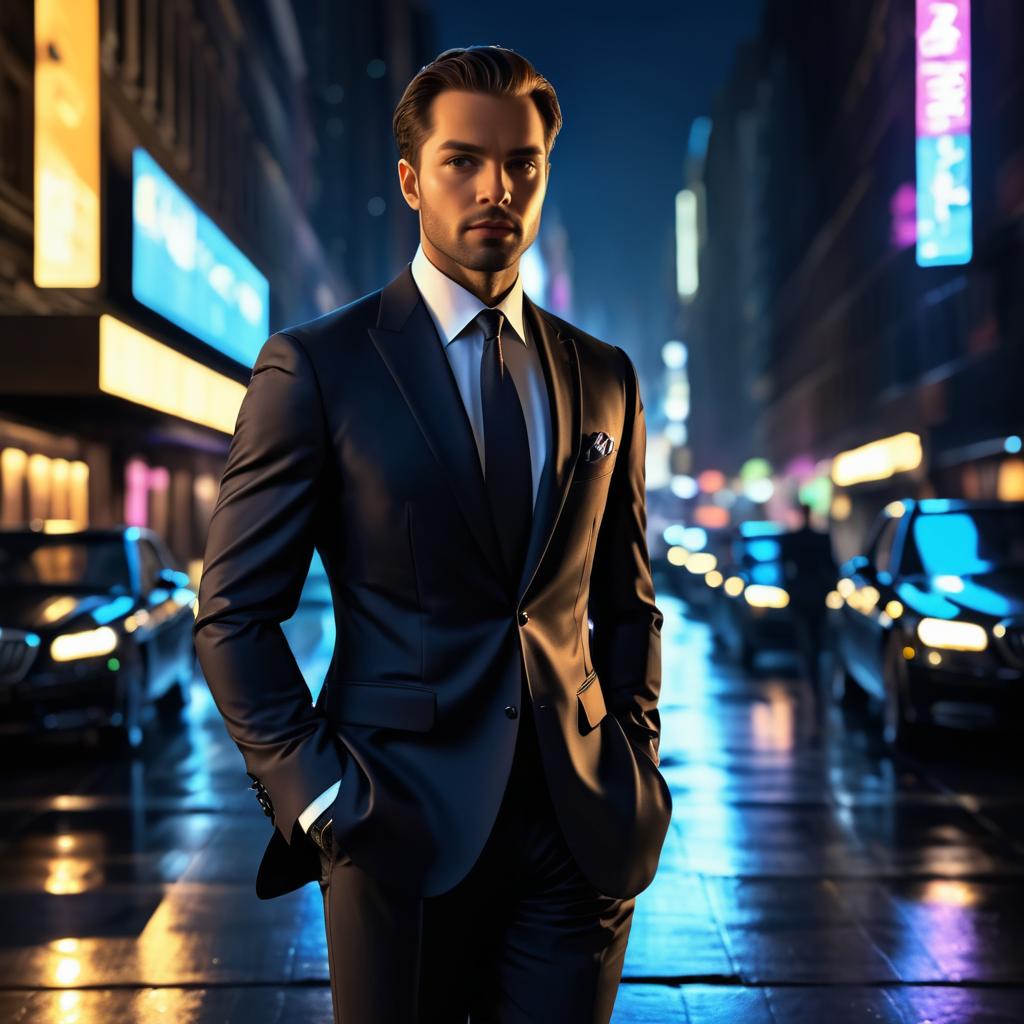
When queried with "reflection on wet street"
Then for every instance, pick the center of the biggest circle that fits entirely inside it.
(808, 876)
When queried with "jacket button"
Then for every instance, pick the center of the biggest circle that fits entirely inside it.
(511, 711)
(524, 618)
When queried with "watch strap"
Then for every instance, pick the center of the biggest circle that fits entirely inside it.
(320, 830)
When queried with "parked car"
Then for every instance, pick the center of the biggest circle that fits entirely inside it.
(95, 625)
(929, 623)
(703, 550)
(771, 593)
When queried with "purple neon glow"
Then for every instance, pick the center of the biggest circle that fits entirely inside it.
(903, 216)
(139, 480)
(943, 67)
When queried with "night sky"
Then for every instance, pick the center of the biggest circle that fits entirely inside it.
(629, 83)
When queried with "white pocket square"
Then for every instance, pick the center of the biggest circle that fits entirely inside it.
(597, 445)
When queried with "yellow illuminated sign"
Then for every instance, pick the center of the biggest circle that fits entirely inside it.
(139, 368)
(67, 144)
(877, 460)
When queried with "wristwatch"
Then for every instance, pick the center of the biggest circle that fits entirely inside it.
(322, 830)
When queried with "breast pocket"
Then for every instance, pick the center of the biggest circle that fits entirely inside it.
(593, 470)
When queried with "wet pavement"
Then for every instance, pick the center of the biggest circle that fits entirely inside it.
(808, 876)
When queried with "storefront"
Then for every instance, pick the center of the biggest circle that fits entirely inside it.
(105, 425)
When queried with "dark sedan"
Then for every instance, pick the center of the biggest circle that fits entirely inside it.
(930, 621)
(770, 594)
(693, 559)
(95, 625)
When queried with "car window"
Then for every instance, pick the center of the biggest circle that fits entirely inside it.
(43, 560)
(149, 565)
(883, 546)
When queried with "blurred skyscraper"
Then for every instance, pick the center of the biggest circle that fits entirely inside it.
(817, 332)
(177, 179)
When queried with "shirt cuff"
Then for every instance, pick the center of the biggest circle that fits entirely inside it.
(318, 806)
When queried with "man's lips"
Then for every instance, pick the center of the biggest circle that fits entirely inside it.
(496, 225)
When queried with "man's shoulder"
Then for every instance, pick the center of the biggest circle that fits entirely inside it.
(347, 322)
(591, 348)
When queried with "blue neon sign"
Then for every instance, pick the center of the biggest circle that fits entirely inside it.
(187, 270)
(943, 115)
(944, 222)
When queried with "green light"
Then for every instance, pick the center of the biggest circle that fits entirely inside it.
(755, 469)
(113, 664)
(817, 492)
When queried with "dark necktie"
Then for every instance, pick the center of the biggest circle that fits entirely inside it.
(506, 446)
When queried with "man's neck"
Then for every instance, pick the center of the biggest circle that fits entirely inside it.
(488, 286)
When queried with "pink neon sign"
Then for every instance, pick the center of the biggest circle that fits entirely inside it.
(943, 67)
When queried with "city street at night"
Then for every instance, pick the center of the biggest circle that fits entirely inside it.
(511, 515)
(807, 876)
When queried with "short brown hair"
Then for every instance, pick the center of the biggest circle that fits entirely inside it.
(489, 69)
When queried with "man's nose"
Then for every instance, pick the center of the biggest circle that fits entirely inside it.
(494, 185)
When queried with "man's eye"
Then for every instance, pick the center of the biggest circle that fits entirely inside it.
(523, 163)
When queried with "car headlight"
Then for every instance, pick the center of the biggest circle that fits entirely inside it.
(700, 563)
(951, 635)
(760, 595)
(91, 644)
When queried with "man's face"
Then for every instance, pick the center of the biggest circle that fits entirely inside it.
(483, 162)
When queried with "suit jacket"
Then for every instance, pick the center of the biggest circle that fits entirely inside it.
(352, 438)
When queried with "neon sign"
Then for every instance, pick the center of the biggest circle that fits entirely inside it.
(187, 270)
(67, 144)
(944, 196)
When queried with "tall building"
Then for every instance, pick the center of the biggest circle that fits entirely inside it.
(162, 210)
(360, 59)
(860, 343)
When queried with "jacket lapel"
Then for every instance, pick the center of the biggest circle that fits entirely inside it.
(560, 361)
(407, 341)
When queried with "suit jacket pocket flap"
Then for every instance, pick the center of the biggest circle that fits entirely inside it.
(591, 700)
(388, 705)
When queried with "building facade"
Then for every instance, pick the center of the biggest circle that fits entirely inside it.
(163, 208)
(851, 341)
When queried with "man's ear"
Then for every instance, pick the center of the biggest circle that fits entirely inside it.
(409, 183)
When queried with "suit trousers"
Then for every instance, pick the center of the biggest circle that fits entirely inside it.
(524, 938)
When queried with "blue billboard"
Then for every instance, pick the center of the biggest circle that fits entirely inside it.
(187, 270)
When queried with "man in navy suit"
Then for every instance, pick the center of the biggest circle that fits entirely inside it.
(477, 789)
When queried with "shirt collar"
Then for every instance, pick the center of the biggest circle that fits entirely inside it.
(452, 307)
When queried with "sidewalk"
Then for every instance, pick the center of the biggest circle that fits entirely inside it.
(807, 878)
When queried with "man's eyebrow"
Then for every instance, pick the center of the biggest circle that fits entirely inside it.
(469, 147)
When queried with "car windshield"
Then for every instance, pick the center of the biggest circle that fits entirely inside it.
(800, 547)
(968, 542)
(49, 560)
(759, 549)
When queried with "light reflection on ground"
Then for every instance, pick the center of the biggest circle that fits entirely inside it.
(805, 870)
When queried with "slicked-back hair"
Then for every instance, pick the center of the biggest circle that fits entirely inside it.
(495, 70)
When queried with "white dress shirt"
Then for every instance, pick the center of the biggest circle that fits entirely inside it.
(453, 310)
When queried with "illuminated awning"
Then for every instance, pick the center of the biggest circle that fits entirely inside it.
(877, 460)
(96, 356)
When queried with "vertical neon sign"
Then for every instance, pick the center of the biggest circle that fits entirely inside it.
(944, 219)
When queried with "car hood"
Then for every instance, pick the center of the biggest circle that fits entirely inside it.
(998, 594)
